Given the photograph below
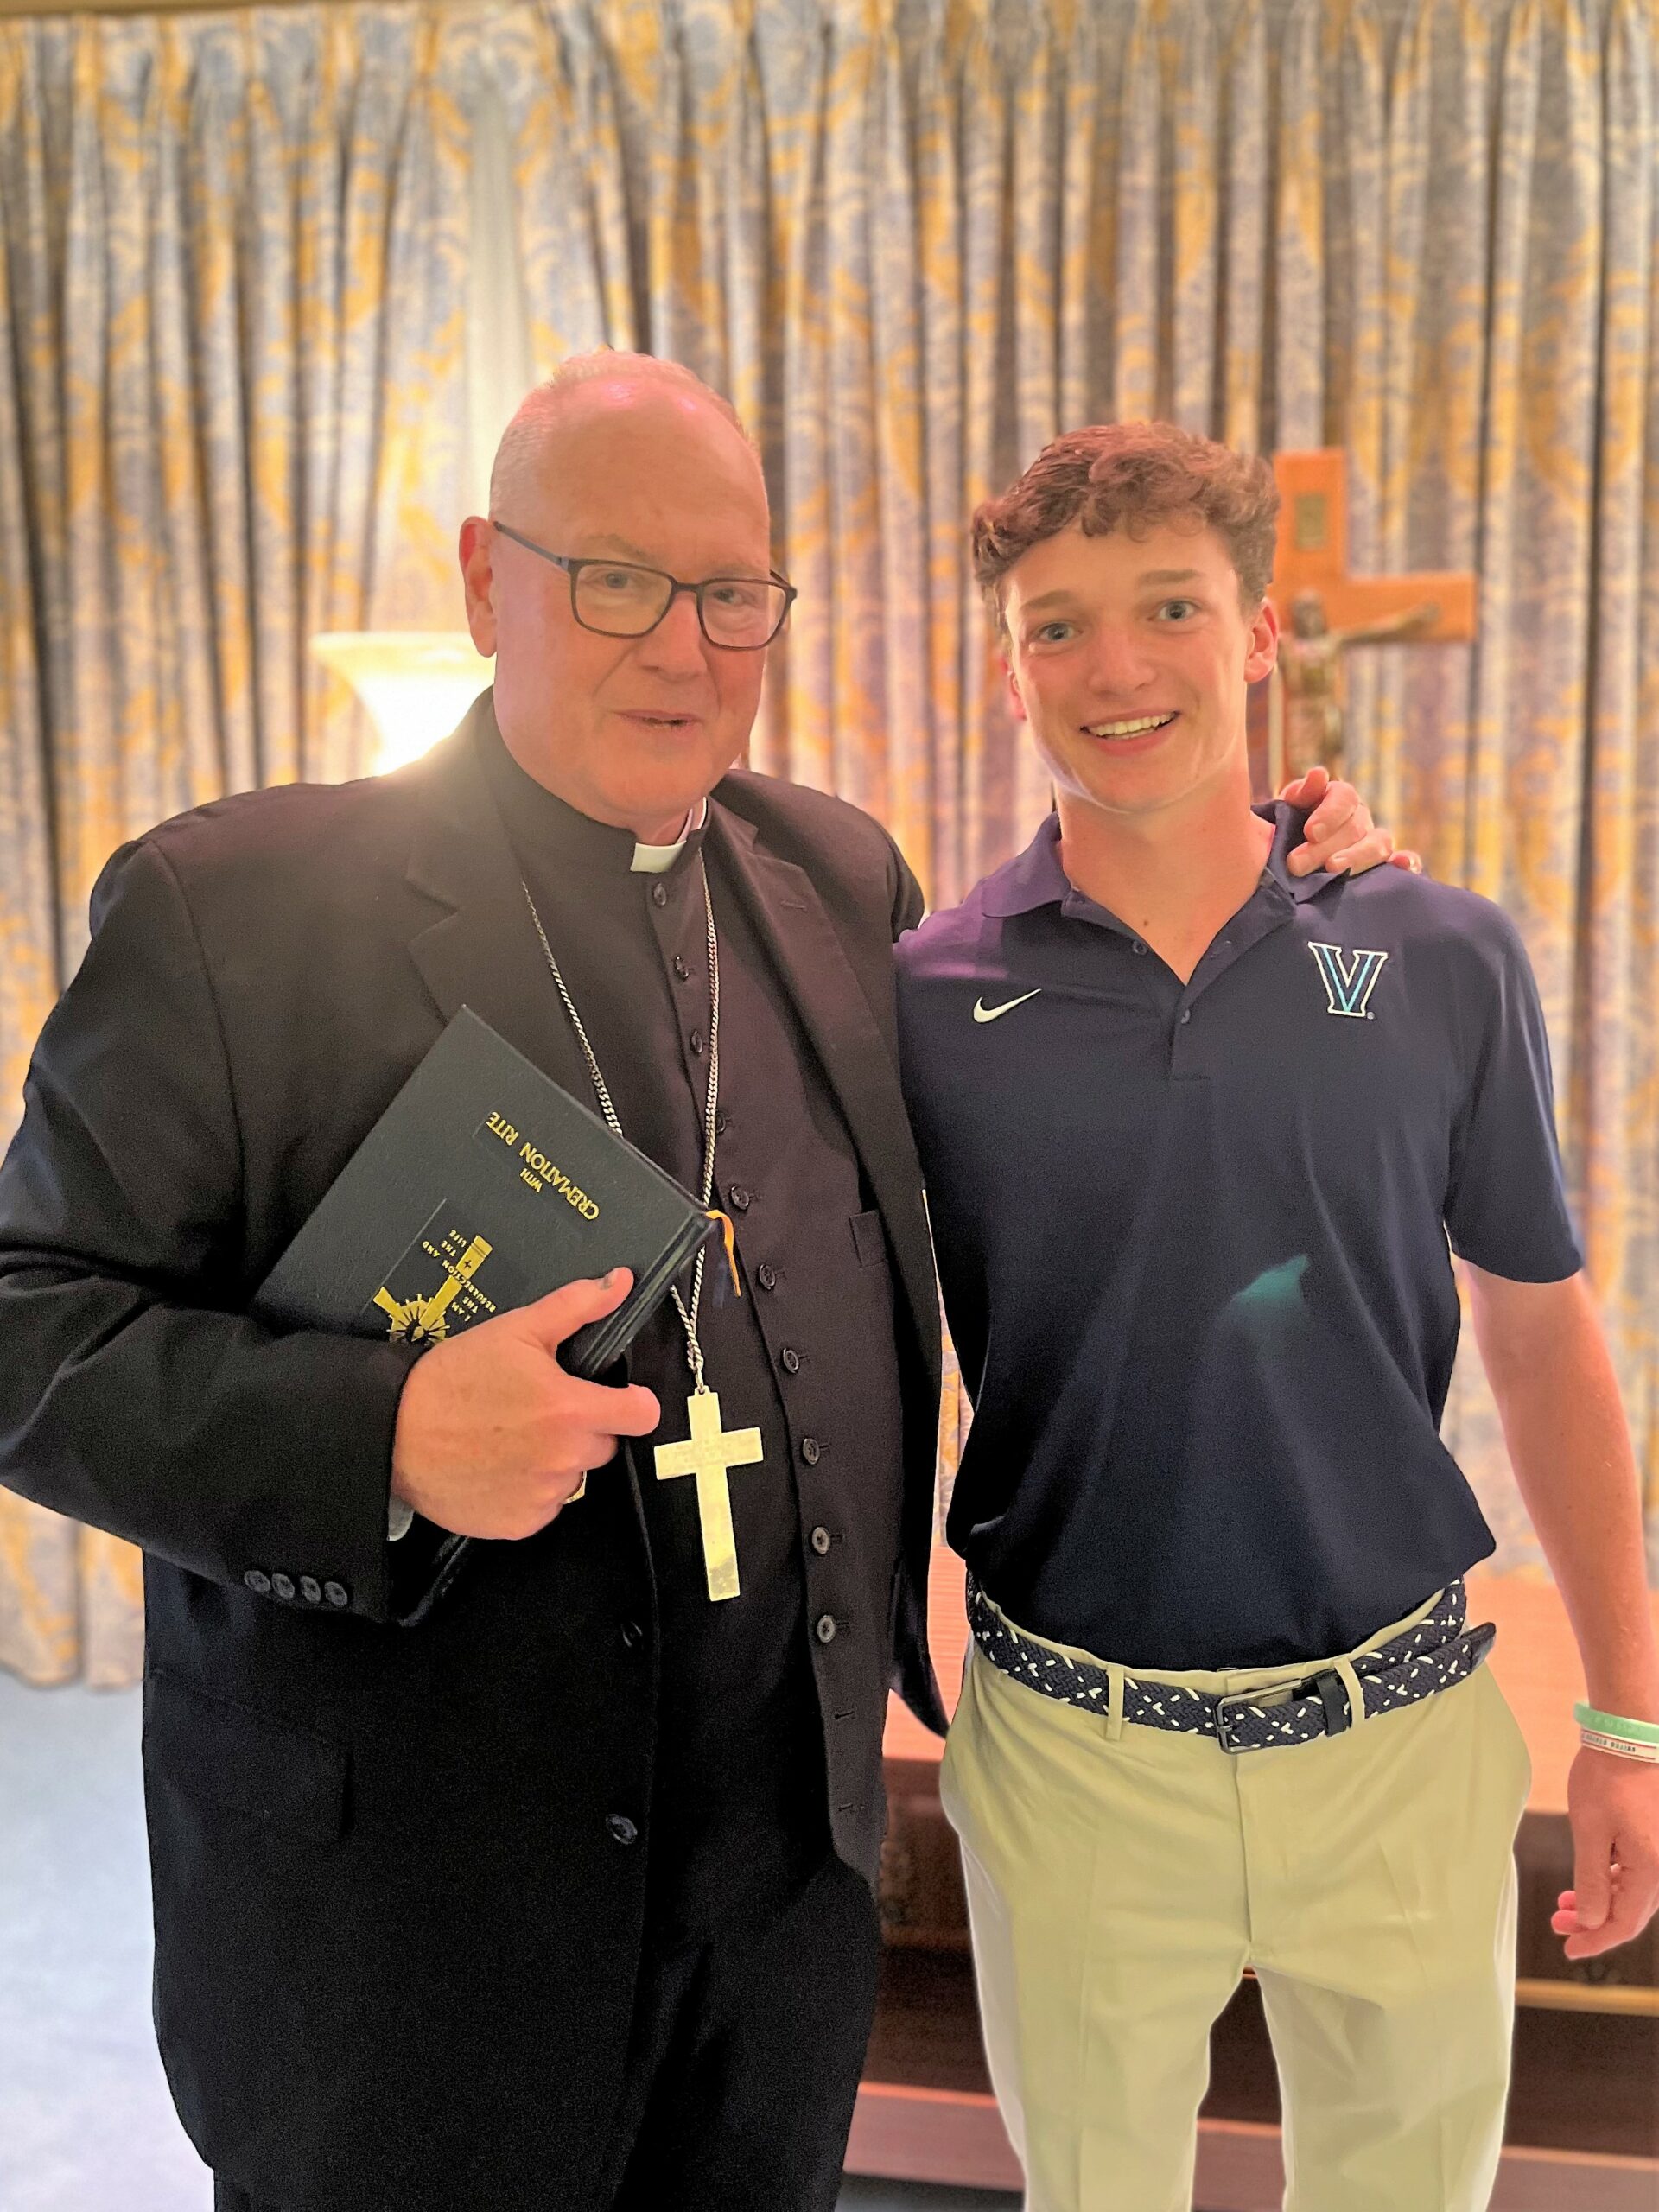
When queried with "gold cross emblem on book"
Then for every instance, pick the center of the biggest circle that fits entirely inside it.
(426, 1319)
(708, 1453)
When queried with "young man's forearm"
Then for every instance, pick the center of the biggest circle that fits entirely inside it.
(1570, 1446)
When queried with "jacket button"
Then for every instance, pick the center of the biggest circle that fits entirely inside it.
(680, 968)
(632, 1636)
(822, 1540)
(258, 1583)
(811, 1451)
(659, 894)
(697, 1043)
(824, 1628)
(792, 1360)
(337, 1593)
(310, 1589)
(282, 1585)
(622, 1829)
(739, 1199)
(767, 1275)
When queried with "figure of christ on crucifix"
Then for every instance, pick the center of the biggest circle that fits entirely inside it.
(1323, 611)
(1310, 655)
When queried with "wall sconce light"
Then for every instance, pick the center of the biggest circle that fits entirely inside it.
(415, 684)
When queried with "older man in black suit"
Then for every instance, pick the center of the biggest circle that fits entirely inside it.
(562, 1897)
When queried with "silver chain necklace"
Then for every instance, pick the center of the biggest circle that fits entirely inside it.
(688, 1313)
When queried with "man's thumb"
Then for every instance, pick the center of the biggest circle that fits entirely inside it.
(561, 1313)
(1593, 1886)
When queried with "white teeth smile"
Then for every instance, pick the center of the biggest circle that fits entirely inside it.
(1128, 729)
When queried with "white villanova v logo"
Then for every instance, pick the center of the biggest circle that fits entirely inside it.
(1349, 978)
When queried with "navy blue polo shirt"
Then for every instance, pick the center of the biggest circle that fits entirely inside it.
(1193, 1244)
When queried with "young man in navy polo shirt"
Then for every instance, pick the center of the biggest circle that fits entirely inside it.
(1196, 1133)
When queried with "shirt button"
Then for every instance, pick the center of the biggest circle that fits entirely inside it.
(1187, 1015)
(821, 1541)
(792, 1360)
(258, 1582)
(1140, 945)
(739, 1199)
(681, 970)
(767, 1275)
(310, 1589)
(336, 1593)
(811, 1451)
(697, 1043)
(622, 1829)
(659, 894)
(722, 1122)
(282, 1585)
(824, 1628)
(632, 1636)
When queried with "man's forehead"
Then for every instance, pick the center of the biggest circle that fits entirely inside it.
(1162, 558)
(630, 481)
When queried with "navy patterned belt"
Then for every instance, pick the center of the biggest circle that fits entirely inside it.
(1429, 1656)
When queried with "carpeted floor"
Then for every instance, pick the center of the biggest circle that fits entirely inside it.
(85, 2124)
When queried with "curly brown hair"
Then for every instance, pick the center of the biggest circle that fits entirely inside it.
(1134, 477)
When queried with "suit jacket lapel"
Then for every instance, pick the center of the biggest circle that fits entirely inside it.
(481, 949)
(790, 921)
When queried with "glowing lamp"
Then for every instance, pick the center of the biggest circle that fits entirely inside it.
(415, 684)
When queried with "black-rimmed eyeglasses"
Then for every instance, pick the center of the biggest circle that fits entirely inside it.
(619, 599)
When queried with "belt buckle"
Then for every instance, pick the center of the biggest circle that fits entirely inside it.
(1222, 1736)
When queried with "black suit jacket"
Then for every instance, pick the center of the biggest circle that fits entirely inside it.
(396, 1936)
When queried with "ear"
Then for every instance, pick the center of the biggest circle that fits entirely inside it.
(1262, 653)
(1016, 704)
(478, 577)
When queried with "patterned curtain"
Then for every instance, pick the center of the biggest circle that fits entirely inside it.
(912, 238)
(231, 272)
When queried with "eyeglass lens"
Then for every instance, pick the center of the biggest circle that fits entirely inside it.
(626, 601)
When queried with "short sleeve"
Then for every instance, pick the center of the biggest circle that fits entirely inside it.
(1506, 1210)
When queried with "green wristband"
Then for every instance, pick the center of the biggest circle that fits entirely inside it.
(1613, 1724)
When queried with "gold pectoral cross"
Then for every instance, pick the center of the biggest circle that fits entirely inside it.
(708, 1453)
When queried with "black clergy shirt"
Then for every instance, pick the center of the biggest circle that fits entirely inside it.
(1193, 1243)
(739, 1814)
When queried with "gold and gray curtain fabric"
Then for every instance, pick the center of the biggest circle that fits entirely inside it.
(912, 238)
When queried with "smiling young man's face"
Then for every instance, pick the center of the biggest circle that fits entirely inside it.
(1130, 658)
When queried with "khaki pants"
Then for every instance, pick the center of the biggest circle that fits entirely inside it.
(1119, 1879)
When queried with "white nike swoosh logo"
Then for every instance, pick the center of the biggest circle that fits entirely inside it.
(984, 1013)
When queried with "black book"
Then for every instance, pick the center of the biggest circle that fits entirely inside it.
(483, 1187)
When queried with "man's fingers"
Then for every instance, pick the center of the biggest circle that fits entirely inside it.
(610, 1410)
(561, 1313)
(1305, 790)
(1592, 1882)
(1407, 858)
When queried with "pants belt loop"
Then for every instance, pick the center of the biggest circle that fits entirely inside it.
(1357, 1713)
(1114, 1702)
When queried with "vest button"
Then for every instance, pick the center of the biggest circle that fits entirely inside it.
(310, 1589)
(767, 1275)
(822, 1540)
(791, 1359)
(696, 1044)
(282, 1585)
(681, 970)
(739, 1199)
(621, 1829)
(258, 1582)
(1187, 1015)
(336, 1593)
(811, 1451)
(632, 1636)
(659, 894)
(824, 1628)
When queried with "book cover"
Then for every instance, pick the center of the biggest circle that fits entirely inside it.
(483, 1187)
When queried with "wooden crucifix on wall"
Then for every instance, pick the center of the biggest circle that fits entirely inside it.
(1323, 611)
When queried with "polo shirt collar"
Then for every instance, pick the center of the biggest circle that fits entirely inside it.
(1035, 878)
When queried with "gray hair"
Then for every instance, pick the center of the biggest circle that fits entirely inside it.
(518, 456)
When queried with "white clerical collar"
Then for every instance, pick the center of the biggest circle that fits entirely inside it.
(657, 859)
